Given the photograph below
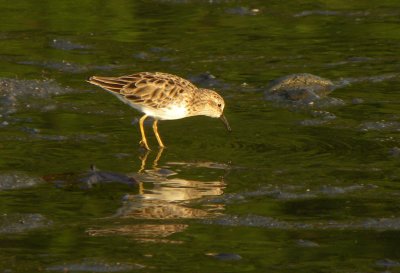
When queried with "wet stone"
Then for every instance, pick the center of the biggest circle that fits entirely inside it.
(18, 223)
(303, 88)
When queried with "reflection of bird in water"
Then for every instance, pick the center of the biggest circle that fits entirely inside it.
(164, 97)
(169, 196)
(169, 199)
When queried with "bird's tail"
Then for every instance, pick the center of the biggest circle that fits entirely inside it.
(112, 84)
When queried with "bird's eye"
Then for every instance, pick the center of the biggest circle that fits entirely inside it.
(219, 104)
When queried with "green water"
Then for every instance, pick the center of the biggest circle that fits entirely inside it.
(259, 192)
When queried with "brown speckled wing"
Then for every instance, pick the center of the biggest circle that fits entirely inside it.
(151, 89)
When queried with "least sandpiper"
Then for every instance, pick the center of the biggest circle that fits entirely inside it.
(163, 96)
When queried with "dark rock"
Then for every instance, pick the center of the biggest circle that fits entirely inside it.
(225, 256)
(207, 80)
(95, 177)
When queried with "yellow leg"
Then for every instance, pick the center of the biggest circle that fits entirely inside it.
(155, 163)
(143, 161)
(155, 128)
(141, 188)
(143, 142)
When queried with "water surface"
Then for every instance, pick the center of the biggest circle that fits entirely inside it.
(289, 190)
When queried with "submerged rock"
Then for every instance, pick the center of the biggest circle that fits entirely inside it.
(249, 221)
(66, 45)
(393, 126)
(94, 176)
(18, 223)
(94, 266)
(387, 263)
(331, 13)
(31, 88)
(306, 243)
(14, 91)
(395, 151)
(69, 67)
(377, 224)
(242, 11)
(304, 87)
(18, 180)
(22, 95)
(208, 80)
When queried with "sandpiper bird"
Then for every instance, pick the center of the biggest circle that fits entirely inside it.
(163, 96)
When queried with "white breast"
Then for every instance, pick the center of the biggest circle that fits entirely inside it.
(170, 112)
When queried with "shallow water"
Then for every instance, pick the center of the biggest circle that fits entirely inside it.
(294, 188)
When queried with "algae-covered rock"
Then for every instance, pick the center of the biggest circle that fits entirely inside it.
(302, 87)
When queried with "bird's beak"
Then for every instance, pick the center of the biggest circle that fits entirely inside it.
(225, 121)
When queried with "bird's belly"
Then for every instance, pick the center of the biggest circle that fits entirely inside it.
(167, 113)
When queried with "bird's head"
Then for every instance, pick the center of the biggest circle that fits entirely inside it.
(213, 106)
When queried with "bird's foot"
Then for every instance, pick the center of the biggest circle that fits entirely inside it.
(144, 144)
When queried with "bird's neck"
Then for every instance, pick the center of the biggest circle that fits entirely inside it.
(200, 103)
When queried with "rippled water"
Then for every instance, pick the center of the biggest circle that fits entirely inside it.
(294, 188)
